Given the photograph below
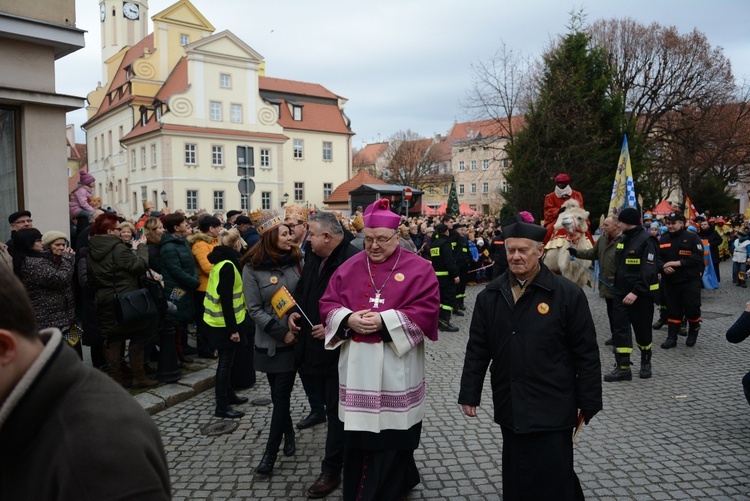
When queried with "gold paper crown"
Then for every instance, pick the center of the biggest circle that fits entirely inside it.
(358, 223)
(297, 213)
(265, 220)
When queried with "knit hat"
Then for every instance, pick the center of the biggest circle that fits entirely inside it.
(379, 215)
(629, 215)
(562, 178)
(265, 221)
(87, 178)
(53, 235)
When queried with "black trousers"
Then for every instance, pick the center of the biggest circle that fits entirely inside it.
(281, 419)
(314, 395)
(683, 300)
(539, 466)
(201, 327)
(639, 315)
(326, 387)
(610, 302)
(447, 293)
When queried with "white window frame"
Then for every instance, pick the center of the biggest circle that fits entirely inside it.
(327, 190)
(299, 192)
(461, 189)
(214, 111)
(225, 80)
(297, 113)
(191, 200)
(327, 148)
(235, 113)
(133, 160)
(473, 165)
(473, 188)
(461, 166)
(265, 200)
(143, 158)
(298, 152)
(218, 200)
(265, 158)
(485, 187)
(191, 153)
(445, 190)
(184, 39)
(485, 164)
(153, 156)
(217, 155)
(244, 202)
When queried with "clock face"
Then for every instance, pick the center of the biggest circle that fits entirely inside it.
(102, 12)
(130, 10)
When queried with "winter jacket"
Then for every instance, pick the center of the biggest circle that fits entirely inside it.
(272, 355)
(604, 252)
(740, 252)
(79, 200)
(542, 354)
(180, 274)
(685, 247)
(113, 267)
(201, 245)
(50, 289)
(636, 266)
(79, 432)
(312, 357)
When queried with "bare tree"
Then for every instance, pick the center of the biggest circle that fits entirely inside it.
(412, 160)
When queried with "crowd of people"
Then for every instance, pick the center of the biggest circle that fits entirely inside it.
(330, 297)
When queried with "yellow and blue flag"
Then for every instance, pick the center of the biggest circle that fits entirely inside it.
(623, 189)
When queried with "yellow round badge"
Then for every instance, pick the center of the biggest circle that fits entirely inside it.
(399, 277)
(542, 308)
(274, 280)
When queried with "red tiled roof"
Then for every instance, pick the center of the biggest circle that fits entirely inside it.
(341, 193)
(121, 78)
(294, 87)
(81, 152)
(73, 182)
(154, 125)
(369, 154)
(315, 117)
(440, 151)
(485, 128)
(177, 81)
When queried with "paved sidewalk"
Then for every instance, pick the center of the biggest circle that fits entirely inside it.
(683, 434)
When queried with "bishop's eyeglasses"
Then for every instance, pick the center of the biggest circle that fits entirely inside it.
(379, 240)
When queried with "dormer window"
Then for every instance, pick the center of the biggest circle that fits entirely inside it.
(158, 113)
(297, 115)
(144, 117)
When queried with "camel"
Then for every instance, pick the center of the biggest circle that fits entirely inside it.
(570, 231)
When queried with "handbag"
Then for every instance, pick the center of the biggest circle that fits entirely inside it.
(156, 290)
(132, 306)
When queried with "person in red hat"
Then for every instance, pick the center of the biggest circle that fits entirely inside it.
(553, 201)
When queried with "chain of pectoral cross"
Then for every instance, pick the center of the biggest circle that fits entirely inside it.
(377, 301)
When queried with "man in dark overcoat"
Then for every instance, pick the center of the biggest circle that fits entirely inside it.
(331, 246)
(536, 331)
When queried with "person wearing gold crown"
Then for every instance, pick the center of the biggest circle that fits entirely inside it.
(296, 219)
(379, 307)
(272, 263)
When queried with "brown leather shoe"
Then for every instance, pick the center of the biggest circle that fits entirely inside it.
(324, 485)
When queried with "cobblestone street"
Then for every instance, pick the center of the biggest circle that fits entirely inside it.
(683, 434)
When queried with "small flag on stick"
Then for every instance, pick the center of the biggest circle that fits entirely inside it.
(282, 301)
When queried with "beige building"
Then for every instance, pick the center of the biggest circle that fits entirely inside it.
(33, 35)
(176, 105)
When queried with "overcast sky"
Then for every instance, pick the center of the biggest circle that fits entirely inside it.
(405, 64)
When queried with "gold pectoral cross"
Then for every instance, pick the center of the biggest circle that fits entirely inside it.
(376, 300)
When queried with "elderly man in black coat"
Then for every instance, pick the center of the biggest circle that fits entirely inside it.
(536, 330)
(330, 245)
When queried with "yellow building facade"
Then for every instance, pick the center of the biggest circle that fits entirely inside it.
(178, 103)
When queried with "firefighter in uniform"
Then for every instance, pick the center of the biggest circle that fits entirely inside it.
(460, 246)
(636, 287)
(680, 261)
(441, 255)
(498, 255)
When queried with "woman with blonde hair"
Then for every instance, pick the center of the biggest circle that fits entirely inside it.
(127, 232)
(272, 263)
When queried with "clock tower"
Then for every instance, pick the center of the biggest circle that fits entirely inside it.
(123, 23)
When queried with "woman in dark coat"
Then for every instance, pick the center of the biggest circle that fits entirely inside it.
(180, 277)
(226, 317)
(270, 264)
(114, 268)
(48, 278)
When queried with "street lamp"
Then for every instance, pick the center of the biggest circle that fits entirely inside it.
(164, 198)
(286, 199)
